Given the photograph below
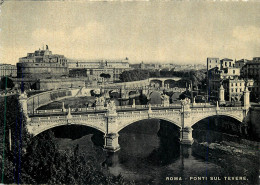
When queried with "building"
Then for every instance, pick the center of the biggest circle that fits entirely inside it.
(234, 88)
(251, 70)
(94, 68)
(256, 59)
(42, 64)
(217, 76)
(223, 72)
(213, 63)
(241, 63)
(78, 73)
(226, 63)
(234, 76)
(8, 70)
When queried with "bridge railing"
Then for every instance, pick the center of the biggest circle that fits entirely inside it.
(194, 107)
(63, 118)
(215, 108)
(49, 118)
(94, 109)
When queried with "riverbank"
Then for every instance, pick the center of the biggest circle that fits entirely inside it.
(236, 159)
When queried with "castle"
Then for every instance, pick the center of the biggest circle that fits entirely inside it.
(42, 64)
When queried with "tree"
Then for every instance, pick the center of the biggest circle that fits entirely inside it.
(6, 83)
(38, 160)
(155, 73)
(104, 75)
(134, 75)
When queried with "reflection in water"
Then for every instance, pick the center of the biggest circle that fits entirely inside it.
(149, 154)
(149, 157)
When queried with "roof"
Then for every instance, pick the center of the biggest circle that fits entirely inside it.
(226, 59)
(243, 60)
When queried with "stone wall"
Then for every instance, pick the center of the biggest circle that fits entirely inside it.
(49, 84)
(41, 99)
(40, 70)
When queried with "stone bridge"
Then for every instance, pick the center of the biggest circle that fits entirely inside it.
(44, 98)
(112, 119)
(162, 81)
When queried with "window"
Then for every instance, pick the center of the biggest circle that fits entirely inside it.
(234, 71)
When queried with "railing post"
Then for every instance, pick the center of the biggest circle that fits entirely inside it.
(24, 106)
(186, 130)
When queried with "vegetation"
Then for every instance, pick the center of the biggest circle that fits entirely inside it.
(6, 83)
(198, 78)
(134, 75)
(104, 75)
(38, 160)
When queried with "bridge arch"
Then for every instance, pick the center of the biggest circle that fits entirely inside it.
(196, 120)
(121, 127)
(156, 81)
(133, 93)
(171, 82)
(39, 129)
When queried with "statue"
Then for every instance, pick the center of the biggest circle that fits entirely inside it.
(111, 107)
(133, 103)
(100, 102)
(165, 100)
(149, 108)
(186, 103)
(23, 95)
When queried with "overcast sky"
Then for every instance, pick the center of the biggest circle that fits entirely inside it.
(183, 32)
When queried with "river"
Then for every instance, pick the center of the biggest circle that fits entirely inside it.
(148, 157)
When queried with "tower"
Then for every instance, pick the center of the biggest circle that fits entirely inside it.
(246, 98)
(221, 95)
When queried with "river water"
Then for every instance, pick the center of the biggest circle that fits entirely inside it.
(151, 158)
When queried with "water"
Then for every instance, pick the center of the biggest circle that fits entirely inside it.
(149, 156)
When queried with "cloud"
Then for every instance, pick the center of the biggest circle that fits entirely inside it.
(11, 54)
(247, 34)
(82, 35)
(74, 42)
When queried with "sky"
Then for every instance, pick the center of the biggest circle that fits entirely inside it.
(181, 32)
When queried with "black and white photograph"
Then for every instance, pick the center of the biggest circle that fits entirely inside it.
(130, 92)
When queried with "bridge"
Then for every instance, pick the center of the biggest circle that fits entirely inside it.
(44, 98)
(110, 119)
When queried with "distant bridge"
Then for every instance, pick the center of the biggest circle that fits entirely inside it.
(44, 98)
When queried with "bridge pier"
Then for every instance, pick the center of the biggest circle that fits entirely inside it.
(111, 142)
(186, 136)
